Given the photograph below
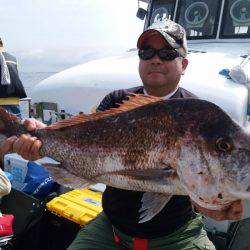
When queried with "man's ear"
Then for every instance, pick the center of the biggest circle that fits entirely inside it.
(184, 65)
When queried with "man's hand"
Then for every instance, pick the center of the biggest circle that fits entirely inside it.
(33, 124)
(26, 146)
(232, 212)
(6, 146)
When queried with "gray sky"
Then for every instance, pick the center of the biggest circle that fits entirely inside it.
(50, 35)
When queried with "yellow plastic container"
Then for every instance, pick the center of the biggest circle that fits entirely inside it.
(79, 206)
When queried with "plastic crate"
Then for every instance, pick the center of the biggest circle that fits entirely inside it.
(17, 166)
(79, 206)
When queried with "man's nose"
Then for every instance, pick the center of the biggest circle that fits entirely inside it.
(156, 59)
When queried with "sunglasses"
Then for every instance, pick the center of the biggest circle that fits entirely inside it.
(164, 54)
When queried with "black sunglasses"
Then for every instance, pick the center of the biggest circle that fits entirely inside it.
(164, 54)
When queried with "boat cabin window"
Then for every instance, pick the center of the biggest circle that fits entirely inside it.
(199, 18)
(236, 19)
(161, 10)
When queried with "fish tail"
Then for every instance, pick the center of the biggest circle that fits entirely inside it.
(9, 124)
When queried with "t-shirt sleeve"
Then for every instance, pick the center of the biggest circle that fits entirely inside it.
(112, 100)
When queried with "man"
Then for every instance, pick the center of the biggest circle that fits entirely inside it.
(11, 88)
(162, 52)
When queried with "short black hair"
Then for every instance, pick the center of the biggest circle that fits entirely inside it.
(1, 42)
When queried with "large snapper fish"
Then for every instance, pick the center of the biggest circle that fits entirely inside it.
(164, 148)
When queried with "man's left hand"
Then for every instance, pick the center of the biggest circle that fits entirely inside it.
(232, 212)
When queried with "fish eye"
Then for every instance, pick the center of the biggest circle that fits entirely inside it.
(223, 145)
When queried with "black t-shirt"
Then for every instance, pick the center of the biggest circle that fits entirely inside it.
(15, 88)
(122, 206)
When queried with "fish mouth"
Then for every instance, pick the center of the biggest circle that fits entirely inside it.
(207, 205)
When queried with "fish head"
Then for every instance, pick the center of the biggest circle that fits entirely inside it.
(235, 162)
(214, 161)
(227, 147)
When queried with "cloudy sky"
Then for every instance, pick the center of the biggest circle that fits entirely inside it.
(50, 35)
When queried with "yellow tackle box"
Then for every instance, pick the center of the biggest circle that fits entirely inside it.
(79, 206)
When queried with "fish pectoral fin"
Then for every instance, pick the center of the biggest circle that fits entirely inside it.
(154, 174)
(152, 204)
(64, 177)
(47, 160)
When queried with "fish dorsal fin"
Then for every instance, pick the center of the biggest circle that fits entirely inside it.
(134, 101)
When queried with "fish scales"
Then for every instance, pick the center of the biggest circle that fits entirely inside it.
(114, 140)
(174, 147)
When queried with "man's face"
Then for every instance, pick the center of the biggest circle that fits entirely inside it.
(158, 75)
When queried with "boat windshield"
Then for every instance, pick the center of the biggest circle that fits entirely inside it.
(160, 10)
(201, 18)
(236, 19)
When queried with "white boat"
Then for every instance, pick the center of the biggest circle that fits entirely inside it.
(212, 48)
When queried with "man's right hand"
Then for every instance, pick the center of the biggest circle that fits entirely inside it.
(26, 146)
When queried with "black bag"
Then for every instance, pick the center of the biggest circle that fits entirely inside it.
(34, 227)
